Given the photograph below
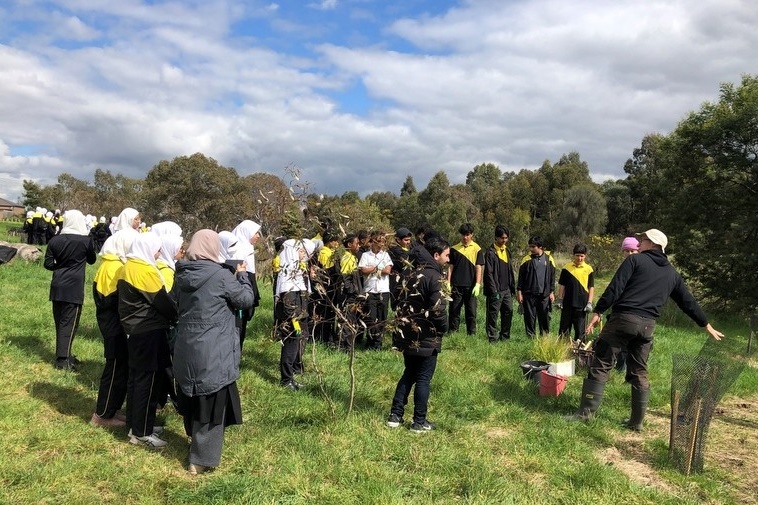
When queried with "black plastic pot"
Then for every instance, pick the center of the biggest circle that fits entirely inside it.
(532, 368)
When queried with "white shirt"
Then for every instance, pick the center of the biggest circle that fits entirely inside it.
(375, 282)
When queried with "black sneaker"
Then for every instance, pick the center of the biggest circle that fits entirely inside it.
(291, 385)
(422, 427)
(394, 420)
(65, 364)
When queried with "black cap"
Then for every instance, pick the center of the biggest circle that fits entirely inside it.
(403, 233)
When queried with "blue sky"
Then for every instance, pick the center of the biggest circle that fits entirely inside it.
(357, 93)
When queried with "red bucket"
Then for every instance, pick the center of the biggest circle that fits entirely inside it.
(551, 385)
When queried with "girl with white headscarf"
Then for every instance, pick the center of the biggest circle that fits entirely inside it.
(291, 310)
(113, 381)
(247, 233)
(171, 251)
(147, 312)
(67, 255)
(207, 352)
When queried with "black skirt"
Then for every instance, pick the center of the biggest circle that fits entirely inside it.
(221, 407)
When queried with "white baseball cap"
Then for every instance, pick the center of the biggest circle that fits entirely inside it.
(656, 237)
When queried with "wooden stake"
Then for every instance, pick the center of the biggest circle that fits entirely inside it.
(674, 418)
(693, 436)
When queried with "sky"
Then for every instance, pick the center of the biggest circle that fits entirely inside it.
(357, 94)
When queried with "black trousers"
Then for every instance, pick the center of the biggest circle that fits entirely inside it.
(148, 359)
(501, 306)
(378, 309)
(290, 307)
(536, 310)
(462, 297)
(418, 371)
(624, 331)
(573, 318)
(66, 316)
(113, 381)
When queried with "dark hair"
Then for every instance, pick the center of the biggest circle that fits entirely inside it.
(362, 234)
(423, 230)
(436, 245)
(501, 230)
(580, 249)
(329, 237)
(535, 240)
(430, 234)
(350, 237)
(278, 243)
(466, 229)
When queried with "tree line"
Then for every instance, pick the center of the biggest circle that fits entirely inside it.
(698, 184)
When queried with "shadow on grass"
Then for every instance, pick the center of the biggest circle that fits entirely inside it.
(33, 346)
(66, 400)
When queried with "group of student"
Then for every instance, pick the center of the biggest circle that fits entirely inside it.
(171, 328)
(174, 318)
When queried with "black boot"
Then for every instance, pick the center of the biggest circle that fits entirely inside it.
(640, 398)
(592, 396)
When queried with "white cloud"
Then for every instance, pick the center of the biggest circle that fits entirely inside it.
(512, 83)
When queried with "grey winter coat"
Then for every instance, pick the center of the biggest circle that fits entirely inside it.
(207, 349)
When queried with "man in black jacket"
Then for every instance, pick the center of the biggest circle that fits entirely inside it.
(499, 286)
(423, 322)
(536, 287)
(635, 296)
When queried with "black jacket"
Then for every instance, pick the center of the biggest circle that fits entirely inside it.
(422, 310)
(643, 283)
(67, 256)
(499, 276)
(527, 276)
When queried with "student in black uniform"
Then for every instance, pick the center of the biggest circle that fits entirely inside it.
(67, 255)
(576, 289)
(465, 277)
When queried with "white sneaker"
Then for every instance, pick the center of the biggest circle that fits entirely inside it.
(149, 441)
(157, 430)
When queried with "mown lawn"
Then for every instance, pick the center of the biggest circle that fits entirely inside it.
(496, 440)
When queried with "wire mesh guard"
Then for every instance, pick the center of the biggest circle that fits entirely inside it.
(697, 385)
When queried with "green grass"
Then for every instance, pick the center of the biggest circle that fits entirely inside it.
(496, 440)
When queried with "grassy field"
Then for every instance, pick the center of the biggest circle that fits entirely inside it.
(496, 440)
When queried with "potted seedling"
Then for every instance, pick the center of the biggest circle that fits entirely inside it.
(555, 351)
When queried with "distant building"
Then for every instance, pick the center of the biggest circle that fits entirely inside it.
(10, 209)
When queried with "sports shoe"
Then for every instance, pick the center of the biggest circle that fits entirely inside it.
(157, 430)
(194, 469)
(394, 420)
(292, 385)
(150, 441)
(422, 427)
(107, 422)
(64, 364)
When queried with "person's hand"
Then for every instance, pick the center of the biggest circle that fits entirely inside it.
(588, 307)
(714, 332)
(520, 309)
(559, 304)
(496, 297)
(519, 298)
(591, 325)
(552, 297)
(241, 267)
(477, 289)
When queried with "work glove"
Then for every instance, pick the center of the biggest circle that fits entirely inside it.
(477, 289)
(496, 297)
(588, 307)
(559, 304)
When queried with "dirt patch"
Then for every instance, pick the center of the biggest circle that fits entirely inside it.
(732, 447)
(636, 470)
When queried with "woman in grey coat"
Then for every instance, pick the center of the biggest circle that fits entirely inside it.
(207, 349)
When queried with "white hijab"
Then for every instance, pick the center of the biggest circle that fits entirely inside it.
(125, 220)
(166, 228)
(119, 244)
(74, 223)
(291, 277)
(170, 245)
(144, 247)
(245, 250)
(228, 245)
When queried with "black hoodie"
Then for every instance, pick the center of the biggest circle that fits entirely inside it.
(643, 283)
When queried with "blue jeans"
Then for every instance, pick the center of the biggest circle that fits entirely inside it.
(419, 371)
